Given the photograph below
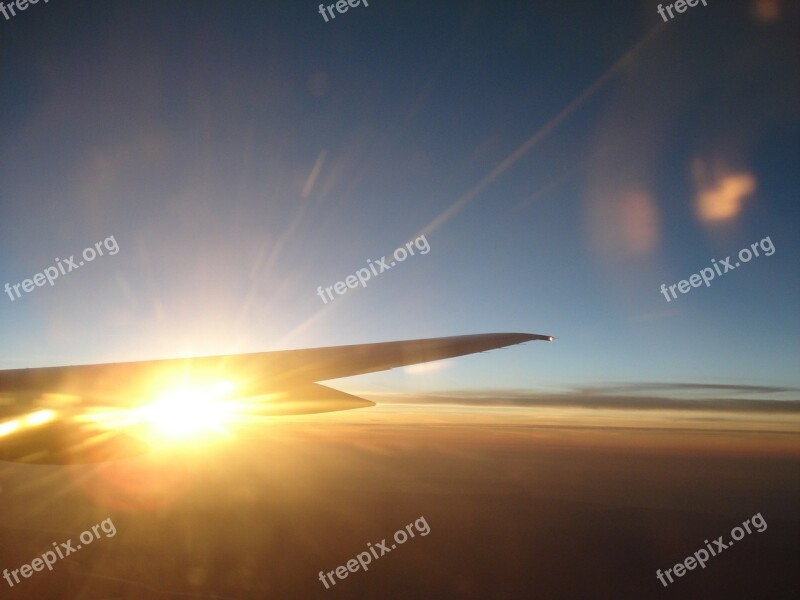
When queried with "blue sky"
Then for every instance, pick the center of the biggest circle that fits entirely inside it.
(563, 162)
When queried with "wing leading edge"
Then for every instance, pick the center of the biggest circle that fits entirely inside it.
(269, 368)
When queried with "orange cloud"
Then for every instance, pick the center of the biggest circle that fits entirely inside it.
(720, 193)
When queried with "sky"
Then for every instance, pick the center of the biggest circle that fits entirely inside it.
(562, 163)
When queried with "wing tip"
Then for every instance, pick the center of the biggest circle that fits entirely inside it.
(521, 338)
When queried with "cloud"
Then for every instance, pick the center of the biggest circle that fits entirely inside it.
(720, 191)
(633, 396)
(668, 386)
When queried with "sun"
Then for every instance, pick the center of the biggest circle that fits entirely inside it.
(190, 410)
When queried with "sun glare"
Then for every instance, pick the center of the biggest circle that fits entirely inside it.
(39, 417)
(187, 410)
(32, 420)
(8, 427)
(191, 410)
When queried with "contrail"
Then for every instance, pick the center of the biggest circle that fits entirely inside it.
(459, 204)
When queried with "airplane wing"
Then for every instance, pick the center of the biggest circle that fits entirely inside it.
(74, 413)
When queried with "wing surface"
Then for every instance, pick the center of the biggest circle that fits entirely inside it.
(256, 372)
(49, 415)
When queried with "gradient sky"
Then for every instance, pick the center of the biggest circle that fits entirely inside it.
(563, 162)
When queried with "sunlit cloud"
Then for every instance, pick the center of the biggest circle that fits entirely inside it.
(720, 193)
